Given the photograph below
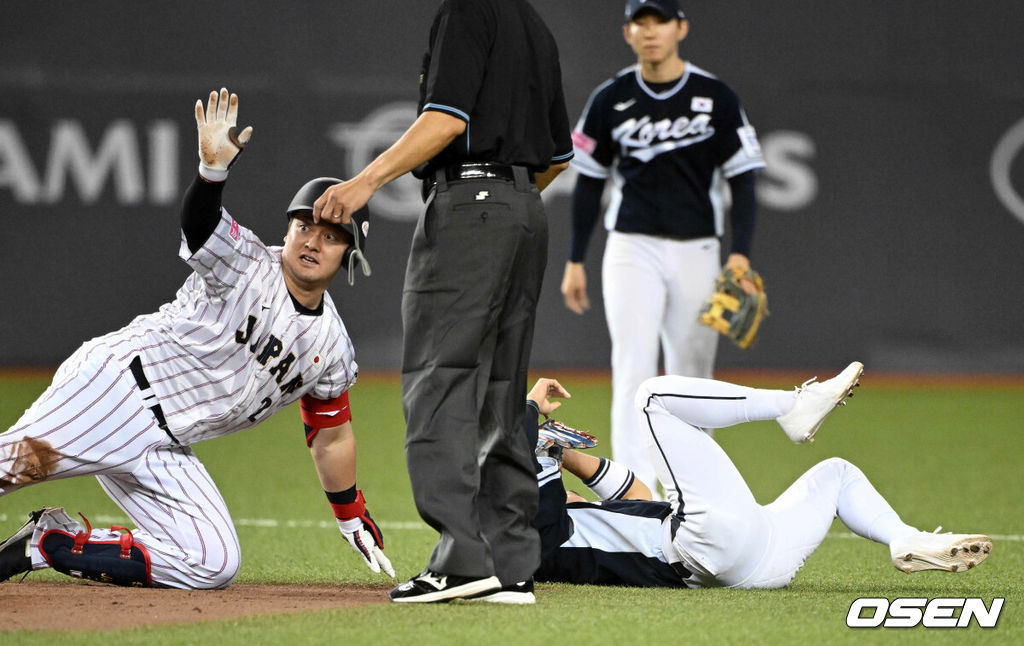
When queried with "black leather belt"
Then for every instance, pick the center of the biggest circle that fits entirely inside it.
(481, 170)
(149, 397)
(473, 170)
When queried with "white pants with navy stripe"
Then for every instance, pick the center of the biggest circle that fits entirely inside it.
(727, 539)
(93, 419)
(653, 289)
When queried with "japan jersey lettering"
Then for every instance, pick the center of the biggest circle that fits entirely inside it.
(233, 348)
(665, 150)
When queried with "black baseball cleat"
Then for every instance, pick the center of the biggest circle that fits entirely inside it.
(431, 587)
(15, 557)
(521, 592)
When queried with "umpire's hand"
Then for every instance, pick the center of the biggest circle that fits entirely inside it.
(339, 202)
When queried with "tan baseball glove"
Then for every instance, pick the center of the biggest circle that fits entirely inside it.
(731, 310)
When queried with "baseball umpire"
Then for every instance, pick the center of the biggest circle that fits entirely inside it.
(492, 132)
(251, 331)
(667, 133)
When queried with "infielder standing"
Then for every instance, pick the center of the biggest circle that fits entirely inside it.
(713, 533)
(666, 133)
(251, 331)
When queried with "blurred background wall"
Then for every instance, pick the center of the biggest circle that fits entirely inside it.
(891, 212)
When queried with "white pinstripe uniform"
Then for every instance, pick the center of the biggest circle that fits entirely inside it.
(226, 354)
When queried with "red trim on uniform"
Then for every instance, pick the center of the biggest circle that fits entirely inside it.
(350, 510)
(85, 540)
(81, 538)
(318, 414)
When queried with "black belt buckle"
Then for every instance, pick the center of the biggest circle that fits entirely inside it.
(149, 398)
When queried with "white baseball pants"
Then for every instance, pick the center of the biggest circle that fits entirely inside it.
(653, 290)
(94, 420)
(727, 539)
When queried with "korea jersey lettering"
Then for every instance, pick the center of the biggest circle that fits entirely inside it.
(666, 149)
(233, 347)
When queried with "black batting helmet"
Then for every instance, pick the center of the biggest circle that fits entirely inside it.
(358, 228)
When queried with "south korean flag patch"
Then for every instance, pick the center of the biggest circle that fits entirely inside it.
(701, 104)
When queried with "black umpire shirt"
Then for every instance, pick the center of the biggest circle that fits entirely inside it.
(494, 64)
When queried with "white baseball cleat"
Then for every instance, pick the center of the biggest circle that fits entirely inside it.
(932, 551)
(815, 400)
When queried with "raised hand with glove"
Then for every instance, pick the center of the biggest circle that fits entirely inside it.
(219, 142)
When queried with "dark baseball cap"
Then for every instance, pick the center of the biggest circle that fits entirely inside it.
(668, 9)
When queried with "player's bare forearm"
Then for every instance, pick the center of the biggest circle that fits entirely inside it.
(334, 455)
(545, 178)
(584, 466)
(426, 137)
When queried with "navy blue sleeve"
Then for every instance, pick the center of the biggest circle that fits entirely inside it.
(743, 213)
(586, 207)
(200, 211)
(552, 522)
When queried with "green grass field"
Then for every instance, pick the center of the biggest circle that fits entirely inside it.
(940, 454)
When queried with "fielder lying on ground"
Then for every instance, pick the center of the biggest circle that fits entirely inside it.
(711, 532)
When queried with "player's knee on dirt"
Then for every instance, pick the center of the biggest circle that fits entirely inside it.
(26, 461)
(225, 575)
(119, 562)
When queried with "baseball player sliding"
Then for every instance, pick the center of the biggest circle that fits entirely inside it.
(711, 532)
(251, 331)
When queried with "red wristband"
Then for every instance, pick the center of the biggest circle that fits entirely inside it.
(350, 510)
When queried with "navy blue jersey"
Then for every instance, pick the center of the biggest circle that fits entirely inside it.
(666, 150)
(613, 542)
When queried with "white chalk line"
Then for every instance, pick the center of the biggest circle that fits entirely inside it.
(267, 523)
(389, 525)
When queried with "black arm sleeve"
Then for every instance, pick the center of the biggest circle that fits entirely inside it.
(586, 207)
(200, 211)
(743, 213)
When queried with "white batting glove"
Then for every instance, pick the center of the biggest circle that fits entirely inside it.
(219, 143)
(364, 536)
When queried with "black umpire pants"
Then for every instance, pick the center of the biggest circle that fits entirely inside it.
(468, 308)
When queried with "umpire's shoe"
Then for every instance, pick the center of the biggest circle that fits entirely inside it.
(15, 557)
(815, 400)
(431, 587)
(519, 593)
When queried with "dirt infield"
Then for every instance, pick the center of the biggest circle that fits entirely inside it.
(81, 605)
